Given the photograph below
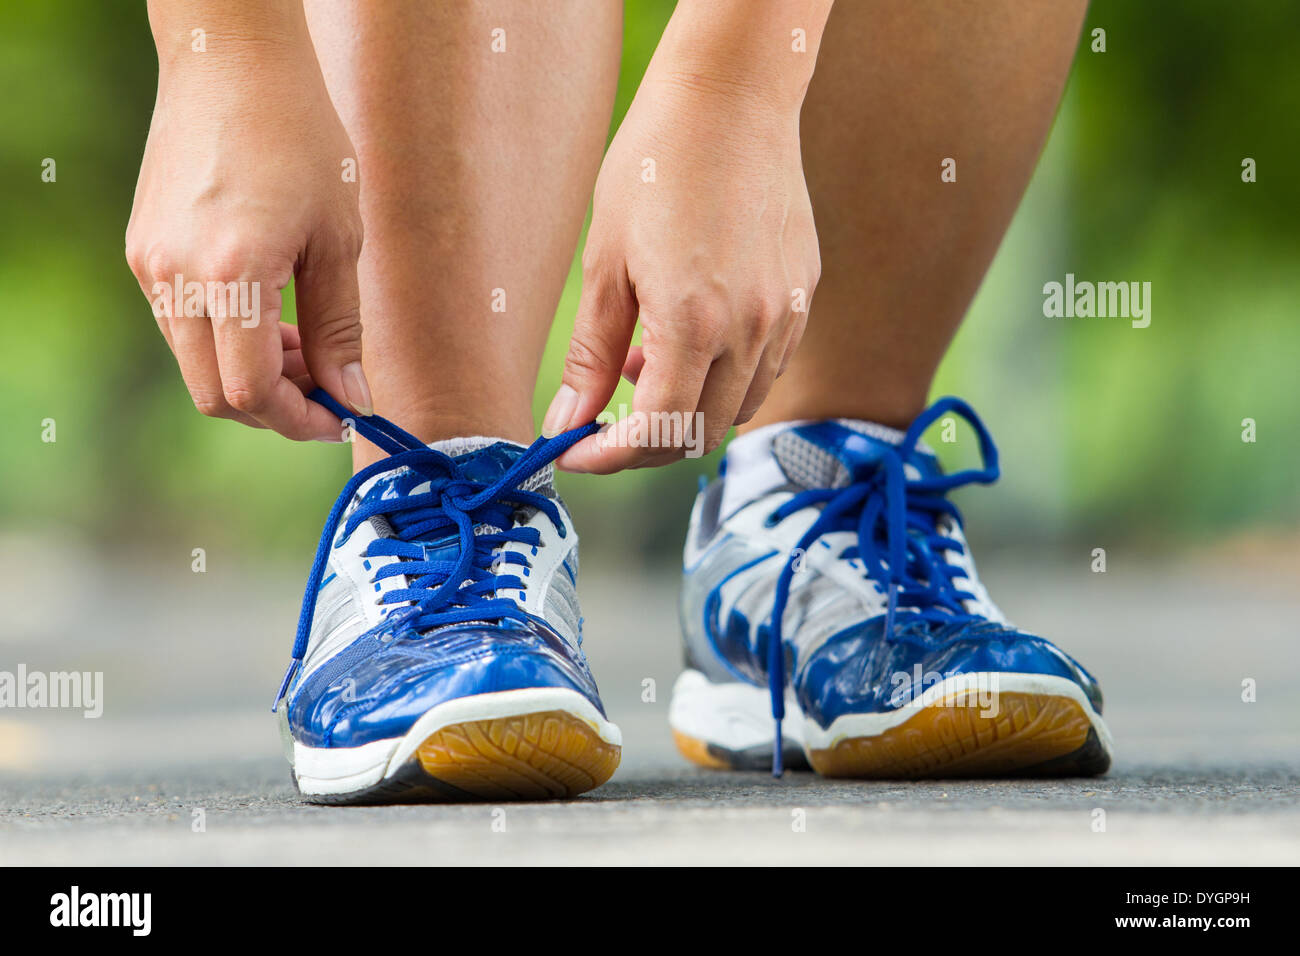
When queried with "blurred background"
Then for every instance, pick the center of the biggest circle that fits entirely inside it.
(1127, 439)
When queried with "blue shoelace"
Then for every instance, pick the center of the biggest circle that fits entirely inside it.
(453, 574)
(896, 521)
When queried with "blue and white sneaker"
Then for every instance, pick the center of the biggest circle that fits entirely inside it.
(832, 595)
(439, 652)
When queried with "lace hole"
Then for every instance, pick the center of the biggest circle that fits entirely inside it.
(771, 520)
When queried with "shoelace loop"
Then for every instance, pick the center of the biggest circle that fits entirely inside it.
(450, 579)
(904, 512)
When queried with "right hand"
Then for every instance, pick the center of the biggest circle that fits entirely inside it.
(242, 182)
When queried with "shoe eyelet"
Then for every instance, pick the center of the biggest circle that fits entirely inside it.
(771, 521)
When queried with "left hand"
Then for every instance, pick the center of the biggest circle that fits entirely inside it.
(715, 251)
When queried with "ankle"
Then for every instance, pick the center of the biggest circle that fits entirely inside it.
(440, 420)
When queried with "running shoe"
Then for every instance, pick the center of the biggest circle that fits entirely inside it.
(439, 651)
(833, 618)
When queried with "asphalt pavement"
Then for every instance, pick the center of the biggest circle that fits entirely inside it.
(183, 765)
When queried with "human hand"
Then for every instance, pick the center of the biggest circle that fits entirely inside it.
(241, 185)
(703, 228)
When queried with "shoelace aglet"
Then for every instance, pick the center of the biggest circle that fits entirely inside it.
(778, 765)
(284, 684)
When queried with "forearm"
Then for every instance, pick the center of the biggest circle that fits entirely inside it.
(744, 48)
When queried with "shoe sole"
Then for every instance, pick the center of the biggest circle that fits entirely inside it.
(728, 726)
(1031, 725)
(534, 744)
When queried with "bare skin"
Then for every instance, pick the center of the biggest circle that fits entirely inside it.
(710, 251)
(900, 86)
(240, 184)
(474, 166)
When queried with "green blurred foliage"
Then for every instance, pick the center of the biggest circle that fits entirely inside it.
(1107, 431)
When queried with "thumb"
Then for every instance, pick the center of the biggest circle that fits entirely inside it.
(329, 320)
(602, 332)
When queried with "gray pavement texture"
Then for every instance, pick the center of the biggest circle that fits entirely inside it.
(1202, 777)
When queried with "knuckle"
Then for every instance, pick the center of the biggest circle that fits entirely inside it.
(706, 317)
(762, 321)
(135, 254)
(582, 361)
(243, 396)
(224, 263)
(338, 329)
(705, 331)
(210, 404)
(157, 262)
(702, 303)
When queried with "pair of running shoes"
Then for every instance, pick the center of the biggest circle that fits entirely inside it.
(830, 609)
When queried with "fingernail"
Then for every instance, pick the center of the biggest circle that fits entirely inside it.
(561, 410)
(355, 389)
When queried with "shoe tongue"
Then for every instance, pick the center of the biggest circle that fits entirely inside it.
(486, 459)
(481, 459)
(837, 452)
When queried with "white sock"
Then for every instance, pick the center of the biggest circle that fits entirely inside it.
(751, 469)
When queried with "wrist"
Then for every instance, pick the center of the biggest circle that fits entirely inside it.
(227, 35)
(756, 54)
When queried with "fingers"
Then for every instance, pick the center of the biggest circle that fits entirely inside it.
(602, 332)
(250, 357)
(765, 373)
(295, 366)
(237, 359)
(634, 363)
(190, 338)
(329, 318)
(691, 387)
(792, 341)
(668, 391)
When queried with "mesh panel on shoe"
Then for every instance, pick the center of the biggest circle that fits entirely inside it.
(808, 465)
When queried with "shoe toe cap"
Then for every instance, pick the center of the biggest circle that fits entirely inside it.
(858, 671)
(382, 695)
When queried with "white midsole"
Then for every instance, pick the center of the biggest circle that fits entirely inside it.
(732, 716)
(738, 716)
(325, 770)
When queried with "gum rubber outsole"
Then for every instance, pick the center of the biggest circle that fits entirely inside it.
(545, 755)
(1032, 734)
(705, 754)
(1029, 735)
